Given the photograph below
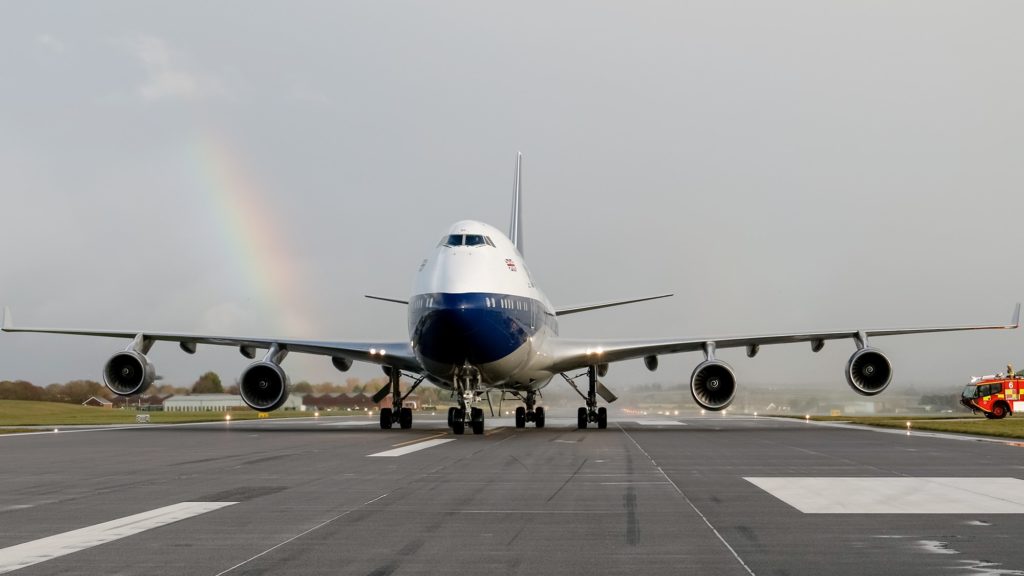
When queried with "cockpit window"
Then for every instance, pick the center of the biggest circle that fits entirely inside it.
(466, 240)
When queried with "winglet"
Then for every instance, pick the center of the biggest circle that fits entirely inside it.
(1016, 316)
(8, 321)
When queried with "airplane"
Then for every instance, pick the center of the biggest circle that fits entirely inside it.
(478, 322)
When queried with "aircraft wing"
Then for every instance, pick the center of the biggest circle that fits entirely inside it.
(397, 354)
(569, 354)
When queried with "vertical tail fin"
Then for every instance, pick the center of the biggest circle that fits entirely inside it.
(515, 228)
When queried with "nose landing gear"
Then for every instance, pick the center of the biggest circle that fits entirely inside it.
(467, 385)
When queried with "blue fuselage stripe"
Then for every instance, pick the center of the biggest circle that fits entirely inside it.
(475, 328)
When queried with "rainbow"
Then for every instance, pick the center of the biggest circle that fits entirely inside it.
(253, 236)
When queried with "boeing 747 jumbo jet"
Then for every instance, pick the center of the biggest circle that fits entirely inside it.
(478, 322)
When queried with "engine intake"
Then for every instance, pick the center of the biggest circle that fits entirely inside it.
(128, 373)
(868, 371)
(264, 386)
(713, 385)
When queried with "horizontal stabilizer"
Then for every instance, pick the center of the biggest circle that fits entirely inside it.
(383, 299)
(575, 309)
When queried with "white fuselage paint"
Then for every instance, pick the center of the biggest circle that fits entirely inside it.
(497, 271)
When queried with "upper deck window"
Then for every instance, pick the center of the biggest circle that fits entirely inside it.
(466, 240)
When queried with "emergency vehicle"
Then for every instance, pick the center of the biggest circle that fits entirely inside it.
(995, 396)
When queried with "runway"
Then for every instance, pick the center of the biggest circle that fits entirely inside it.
(667, 495)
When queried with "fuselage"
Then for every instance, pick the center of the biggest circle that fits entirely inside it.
(474, 306)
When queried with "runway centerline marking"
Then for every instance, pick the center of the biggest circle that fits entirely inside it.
(419, 439)
(660, 423)
(23, 555)
(412, 448)
(896, 495)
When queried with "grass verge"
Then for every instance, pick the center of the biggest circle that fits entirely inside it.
(1009, 427)
(28, 413)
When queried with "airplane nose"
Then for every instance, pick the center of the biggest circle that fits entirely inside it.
(467, 334)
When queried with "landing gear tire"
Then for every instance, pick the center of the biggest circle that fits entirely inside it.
(459, 421)
(385, 419)
(405, 418)
(538, 417)
(476, 420)
(602, 418)
(520, 417)
(581, 418)
(451, 416)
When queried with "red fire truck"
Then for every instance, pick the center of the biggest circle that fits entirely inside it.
(995, 396)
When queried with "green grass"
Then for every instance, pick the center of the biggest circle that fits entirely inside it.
(1009, 427)
(28, 413)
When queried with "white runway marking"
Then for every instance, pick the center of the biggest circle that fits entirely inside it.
(353, 423)
(413, 447)
(897, 495)
(660, 423)
(36, 551)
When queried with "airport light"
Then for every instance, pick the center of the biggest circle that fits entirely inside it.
(755, 414)
(316, 414)
(807, 417)
(227, 417)
(56, 430)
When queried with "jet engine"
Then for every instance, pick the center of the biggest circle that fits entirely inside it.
(868, 371)
(264, 386)
(128, 373)
(713, 385)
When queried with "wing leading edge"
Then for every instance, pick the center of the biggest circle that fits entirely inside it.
(570, 354)
(397, 354)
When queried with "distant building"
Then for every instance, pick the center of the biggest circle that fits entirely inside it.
(218, 403)
(98, 402)
(151, 402)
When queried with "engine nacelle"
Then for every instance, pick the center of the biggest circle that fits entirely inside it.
(128, 373)
(868, 371)
(713, 385)
(264, 386)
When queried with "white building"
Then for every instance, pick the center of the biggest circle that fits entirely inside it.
(218, 403)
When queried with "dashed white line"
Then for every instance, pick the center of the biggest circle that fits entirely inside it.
(413, 447)
(36, 551)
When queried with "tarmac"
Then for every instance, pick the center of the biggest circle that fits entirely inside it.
(732, 495)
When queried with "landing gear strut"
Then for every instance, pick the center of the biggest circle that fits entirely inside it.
(397, 413)
(591, 414)
(529, 413)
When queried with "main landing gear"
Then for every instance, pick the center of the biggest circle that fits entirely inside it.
(528, 413)
(591, 414)
(397, 414)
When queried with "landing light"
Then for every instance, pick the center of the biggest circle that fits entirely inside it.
(316, 414)
(755, 414)
(677, 412)
(56, 430)
(227, 417)
(807, 418)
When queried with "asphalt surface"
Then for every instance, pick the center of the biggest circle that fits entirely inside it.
(641, 497)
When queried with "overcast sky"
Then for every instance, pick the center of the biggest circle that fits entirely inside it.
(254, 168)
